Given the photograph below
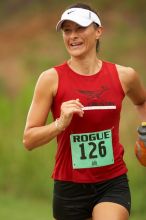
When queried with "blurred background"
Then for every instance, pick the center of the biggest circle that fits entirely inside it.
(29, 45)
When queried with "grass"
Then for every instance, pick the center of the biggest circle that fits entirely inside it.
(137, 217)
(20, 208)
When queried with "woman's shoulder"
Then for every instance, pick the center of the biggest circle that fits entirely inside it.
(47, 81)
(48, 74)
(127, 76)
(125, 70)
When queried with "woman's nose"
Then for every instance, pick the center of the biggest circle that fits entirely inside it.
(73, 34)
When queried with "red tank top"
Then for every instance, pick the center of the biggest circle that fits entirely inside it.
(101, 89)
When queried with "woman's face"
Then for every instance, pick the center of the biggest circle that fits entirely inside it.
(80, 41)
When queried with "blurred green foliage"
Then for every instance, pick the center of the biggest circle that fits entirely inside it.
(28, 174)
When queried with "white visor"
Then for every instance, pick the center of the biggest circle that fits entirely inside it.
(81, 16)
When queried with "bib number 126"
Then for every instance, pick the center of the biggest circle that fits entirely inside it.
(93, 150)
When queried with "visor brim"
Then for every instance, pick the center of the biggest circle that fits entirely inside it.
(83, 22)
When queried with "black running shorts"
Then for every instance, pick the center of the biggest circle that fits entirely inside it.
(75, 201)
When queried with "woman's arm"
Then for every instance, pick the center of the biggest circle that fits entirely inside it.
(134, 89)
(36, 133)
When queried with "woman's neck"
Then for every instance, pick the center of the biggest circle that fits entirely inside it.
(86, 66)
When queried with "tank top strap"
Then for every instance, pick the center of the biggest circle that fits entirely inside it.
(114, 75)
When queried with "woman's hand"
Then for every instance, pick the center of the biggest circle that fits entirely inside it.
(68, 109)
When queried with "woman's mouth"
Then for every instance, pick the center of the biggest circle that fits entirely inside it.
(76, 45)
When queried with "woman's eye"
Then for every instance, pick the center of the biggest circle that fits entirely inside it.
(66, 30)
(81, 28)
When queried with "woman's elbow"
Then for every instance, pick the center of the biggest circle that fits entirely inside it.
(27, 141)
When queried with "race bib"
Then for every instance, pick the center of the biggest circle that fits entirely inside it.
(92, 149)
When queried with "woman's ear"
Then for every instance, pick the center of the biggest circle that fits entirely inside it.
(99, 31)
